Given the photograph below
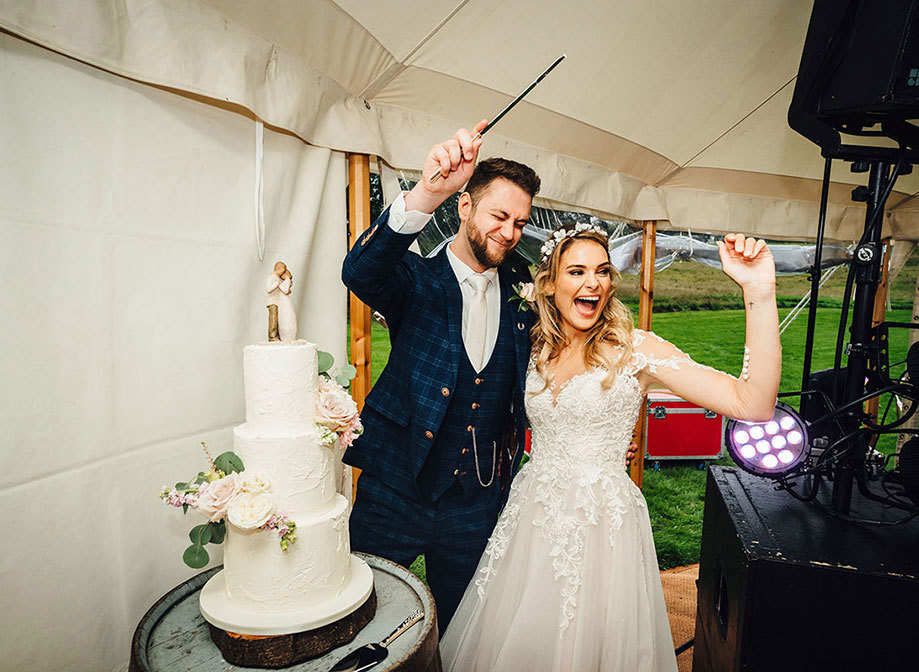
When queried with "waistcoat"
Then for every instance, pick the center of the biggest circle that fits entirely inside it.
(480, 406)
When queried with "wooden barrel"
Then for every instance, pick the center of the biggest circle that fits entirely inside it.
(173, 635)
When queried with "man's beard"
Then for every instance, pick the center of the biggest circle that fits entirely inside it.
(479, 246)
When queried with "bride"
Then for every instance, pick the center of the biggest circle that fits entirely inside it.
(569, 579)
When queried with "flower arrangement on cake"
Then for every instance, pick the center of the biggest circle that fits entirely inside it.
(227, 492)
(337, 418)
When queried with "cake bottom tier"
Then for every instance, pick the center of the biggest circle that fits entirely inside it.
(218, 610)
(310, 584)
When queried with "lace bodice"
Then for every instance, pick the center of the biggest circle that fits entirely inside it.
(576, 471)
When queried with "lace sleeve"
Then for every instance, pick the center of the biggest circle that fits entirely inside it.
(663, 364)
(653, 354)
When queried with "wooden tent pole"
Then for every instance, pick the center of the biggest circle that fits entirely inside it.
(880, 312)
(358, 222)
(645, 305)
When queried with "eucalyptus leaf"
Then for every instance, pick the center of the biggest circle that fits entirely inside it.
(326, 361)
(181, 486)
(195, 556)
(348, 371)
(229, 462)
(201, 478)
(185, 508)
(341, 380)
(200, 534)
(218, 532)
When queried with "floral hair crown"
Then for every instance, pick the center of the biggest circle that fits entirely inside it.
(560, 234)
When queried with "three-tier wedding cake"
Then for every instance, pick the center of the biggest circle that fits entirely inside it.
(265, 589)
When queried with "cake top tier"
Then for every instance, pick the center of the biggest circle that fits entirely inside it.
(281, 381)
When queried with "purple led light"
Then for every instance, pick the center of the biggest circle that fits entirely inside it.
(769, 448)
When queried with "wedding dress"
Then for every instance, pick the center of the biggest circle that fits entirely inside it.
(569, 580)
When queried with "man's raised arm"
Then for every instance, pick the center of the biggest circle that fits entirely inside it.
(372, 268)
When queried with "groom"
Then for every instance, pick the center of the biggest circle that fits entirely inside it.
(445, 421)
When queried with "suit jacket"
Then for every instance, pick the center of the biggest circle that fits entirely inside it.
(403, 412)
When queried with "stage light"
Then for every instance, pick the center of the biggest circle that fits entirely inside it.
(775, 447)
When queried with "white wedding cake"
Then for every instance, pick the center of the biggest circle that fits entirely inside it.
(264, 589)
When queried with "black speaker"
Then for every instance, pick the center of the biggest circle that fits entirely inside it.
(859, 66)
(783, 586)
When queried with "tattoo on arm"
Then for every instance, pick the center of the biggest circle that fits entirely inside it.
(750, 304)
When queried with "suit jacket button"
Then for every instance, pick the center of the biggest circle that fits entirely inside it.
(520, 326)
(444, 391)
(465, 450)
(475, 405)
(469, 428)
(429, 434)
(456, 472)
(478, 381)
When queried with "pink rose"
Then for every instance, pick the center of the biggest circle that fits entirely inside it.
(213, 502)
(335, 409)
(528, 292)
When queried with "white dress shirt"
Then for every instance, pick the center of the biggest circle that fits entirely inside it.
(412, 221)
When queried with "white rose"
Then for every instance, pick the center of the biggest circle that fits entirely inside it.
(250, 512)
(213, 501)
(254, 483)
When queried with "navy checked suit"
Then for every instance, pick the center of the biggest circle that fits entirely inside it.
(397, 513)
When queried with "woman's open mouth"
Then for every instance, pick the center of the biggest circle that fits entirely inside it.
(587, 305)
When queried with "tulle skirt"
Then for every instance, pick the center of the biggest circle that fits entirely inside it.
(569, 582)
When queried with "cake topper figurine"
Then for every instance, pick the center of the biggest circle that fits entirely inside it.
(282, 320)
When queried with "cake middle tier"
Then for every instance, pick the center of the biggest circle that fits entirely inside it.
(300, 471)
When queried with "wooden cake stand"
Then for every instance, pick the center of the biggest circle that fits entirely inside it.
(173, 635)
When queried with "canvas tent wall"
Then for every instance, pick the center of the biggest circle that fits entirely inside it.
(128, 205)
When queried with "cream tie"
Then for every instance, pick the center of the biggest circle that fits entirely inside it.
(477, 325)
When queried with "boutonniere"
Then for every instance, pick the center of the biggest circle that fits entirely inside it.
(525, 292)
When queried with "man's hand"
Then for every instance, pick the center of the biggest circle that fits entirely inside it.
(455, 160)
(630, 453)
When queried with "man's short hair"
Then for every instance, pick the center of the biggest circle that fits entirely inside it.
(491, 169)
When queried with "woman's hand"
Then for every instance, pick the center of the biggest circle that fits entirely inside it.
(747, 261)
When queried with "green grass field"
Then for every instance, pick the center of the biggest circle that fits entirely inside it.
(675, 494)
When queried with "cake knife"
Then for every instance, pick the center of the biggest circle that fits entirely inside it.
(371, 654)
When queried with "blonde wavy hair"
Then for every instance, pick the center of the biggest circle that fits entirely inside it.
(613, 327)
